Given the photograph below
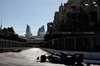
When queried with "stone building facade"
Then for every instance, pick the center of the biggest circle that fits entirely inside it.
(73, 6)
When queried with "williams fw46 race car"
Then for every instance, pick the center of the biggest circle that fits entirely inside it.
(65, 58)
(16, 50)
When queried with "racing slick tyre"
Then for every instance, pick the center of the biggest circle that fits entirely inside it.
(43, 58)
(79, 58)
(69, 60)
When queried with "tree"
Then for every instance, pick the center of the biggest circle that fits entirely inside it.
(9, 33)
(11, 30)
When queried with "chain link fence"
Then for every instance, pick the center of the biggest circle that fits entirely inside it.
(5, 44)
(77, 43)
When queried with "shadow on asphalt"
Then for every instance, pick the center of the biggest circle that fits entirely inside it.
(65, 65)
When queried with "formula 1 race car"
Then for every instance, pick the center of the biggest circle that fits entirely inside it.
(16, 50)
(57, 57)
(65, 58)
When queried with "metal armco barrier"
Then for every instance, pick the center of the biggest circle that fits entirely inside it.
(11, 44)
(88, 45)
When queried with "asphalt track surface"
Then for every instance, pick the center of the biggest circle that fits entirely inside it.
(28, 58)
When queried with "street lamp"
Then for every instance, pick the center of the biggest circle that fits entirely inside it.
(94, 2)
(86, 4)
(95, 5)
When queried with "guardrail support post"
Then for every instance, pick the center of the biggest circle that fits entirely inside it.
(64, 44)
(75, 43)
(91, 47)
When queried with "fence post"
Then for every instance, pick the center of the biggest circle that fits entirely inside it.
(64, 44)
(91, 46)
(0, 44)
(57, 44)
(75, 43)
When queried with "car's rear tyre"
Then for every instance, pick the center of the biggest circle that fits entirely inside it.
(69, 60)
(79, 58)
(43, 58)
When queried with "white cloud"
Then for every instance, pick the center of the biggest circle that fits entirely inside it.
(22, 33)
(34, 33)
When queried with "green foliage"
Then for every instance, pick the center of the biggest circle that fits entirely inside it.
(9, 33)
(47, 37)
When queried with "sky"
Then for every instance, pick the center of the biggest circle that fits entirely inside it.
(35, 13)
